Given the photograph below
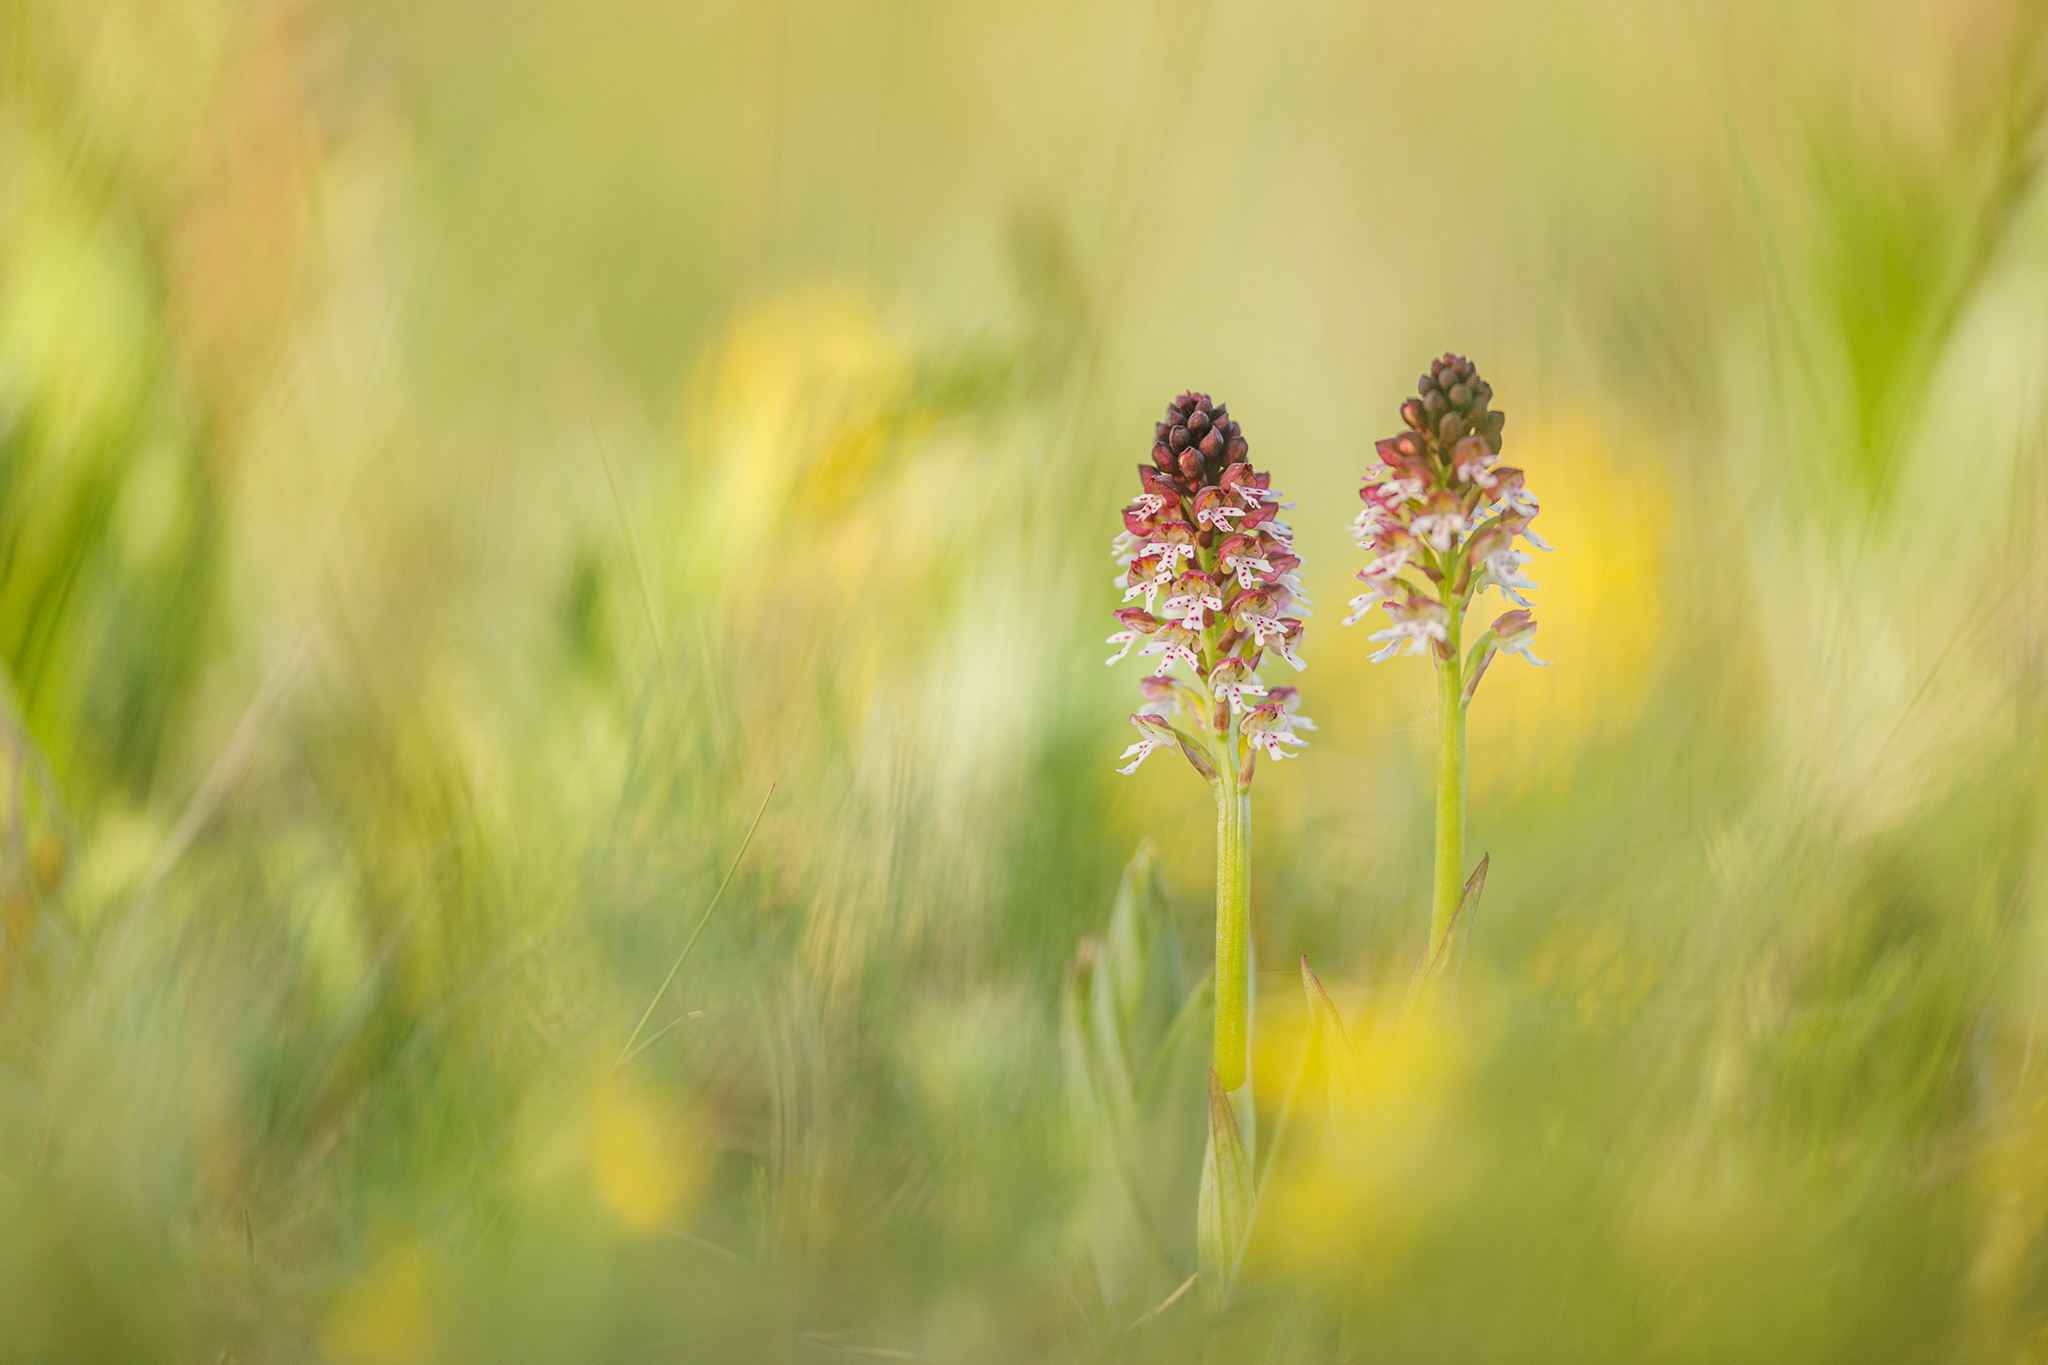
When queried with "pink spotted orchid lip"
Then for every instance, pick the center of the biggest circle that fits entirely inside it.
(1203, 545)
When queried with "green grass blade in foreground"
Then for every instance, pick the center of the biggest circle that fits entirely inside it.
(1135, 1049)
(628, 1052)
(1330, 1049)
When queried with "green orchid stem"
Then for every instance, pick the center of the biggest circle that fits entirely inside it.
(1449, 881)
(1233, 928)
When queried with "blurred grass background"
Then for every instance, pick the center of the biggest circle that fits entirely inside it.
(453, 457)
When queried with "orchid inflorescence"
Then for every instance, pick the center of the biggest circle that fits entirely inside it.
(1440, 503)
(1205, 548)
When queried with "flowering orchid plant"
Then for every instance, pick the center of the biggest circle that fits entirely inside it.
(1204, 547)
(1440, 505)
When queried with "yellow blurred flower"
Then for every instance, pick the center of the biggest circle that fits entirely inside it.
(797, 404)
(1602, 605)
(646, 1158)
(1367, 1185)
(389, 1317)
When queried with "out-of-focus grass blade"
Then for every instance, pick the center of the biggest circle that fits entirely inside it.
(1141, 980)
(629, 1051)
(1186, 1042)
(1330, 1052)
(1127, 1036)
(1129, 992)
(1224, 1214)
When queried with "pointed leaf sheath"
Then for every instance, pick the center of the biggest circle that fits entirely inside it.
(1224, 1213)
(1448, 955)
(1331, 1054)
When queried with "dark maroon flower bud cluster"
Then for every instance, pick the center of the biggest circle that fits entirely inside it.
(1197, 442)
(1451, 405)
(1204, 545)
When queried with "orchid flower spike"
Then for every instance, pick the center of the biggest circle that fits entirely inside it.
(1441, 507)
(1203, 545)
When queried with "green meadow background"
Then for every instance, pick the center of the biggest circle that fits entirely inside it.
(455, 456)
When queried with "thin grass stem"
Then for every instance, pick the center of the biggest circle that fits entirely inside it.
(626, 1053)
